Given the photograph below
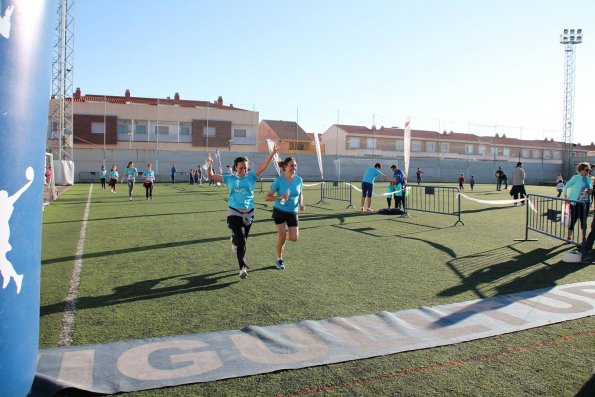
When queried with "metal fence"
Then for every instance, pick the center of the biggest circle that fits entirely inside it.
(336, 190)
(553, 217)
(435, 199)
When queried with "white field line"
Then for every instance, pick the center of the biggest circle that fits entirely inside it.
(65, 338)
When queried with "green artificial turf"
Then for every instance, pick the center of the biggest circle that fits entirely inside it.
(162, 267)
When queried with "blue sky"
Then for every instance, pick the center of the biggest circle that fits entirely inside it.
(478, 66)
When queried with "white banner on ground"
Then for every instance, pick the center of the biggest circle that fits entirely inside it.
(159, 362)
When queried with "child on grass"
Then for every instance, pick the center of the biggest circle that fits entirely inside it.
(391, 188)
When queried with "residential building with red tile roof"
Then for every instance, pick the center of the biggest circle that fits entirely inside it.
(352, 140)
(176, 124)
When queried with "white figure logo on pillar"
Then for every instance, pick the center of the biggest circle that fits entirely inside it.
(5, 22)
(6, 209)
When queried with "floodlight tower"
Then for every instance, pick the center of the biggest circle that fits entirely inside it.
(569, 38)
(61, 105)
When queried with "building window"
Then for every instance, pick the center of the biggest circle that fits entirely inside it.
(556, 155)
(416, 146)
(506, 151)
(494, 151)
(371, 143)
(444, 147)
(430, 147)
(162, 129)
(208, 131)
(297, 145)
(353, 143)
(140, 127)
(185, 129)
(400, 145)
(535, 153)
(481, 149)
(546, 154)
(237, 133)
(525, 153)
(124, 127)
(97, 128)
(469, 148)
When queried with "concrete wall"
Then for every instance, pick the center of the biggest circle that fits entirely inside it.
(435, 170)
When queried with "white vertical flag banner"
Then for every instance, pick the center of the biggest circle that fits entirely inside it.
(319, 155)
(271, 146)
(407, 146)
(218, 157)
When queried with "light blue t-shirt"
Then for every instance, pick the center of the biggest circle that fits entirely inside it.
(371, 174)
(103, 173)
(294, 188)
(241, 190)
(149, 175)
(398, 189)
(114, 174)
(130, 173)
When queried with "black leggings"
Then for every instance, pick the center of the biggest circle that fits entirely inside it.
(149, 189)
(103, 183)
(577, 213)
(240, 233)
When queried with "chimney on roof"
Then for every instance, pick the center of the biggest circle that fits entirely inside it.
(127, 95)
(503, 135)
(77, 94)
(220, 102)
(497, 136)
(177, 98)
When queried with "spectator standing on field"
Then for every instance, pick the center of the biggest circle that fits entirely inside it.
(579, 188)
(368, 186)
(48, 175)
(399, 194)
(499, 178)
(391, 188)
(472, 182)
(559, 186)
(518, 183)
(418, 175)
(400, 179)
(461, 181)
(173, 173)
(102, 176)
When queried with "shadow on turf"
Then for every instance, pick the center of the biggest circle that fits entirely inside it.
(494, 266)
(147, 289)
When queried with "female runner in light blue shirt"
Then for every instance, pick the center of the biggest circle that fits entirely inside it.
(240, 211)
(149, 176)
(130, 174)
(287, 193)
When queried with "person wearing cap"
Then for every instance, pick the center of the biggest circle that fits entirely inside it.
(518, 183)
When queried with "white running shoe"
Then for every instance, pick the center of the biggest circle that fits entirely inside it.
(280, 265)
(244, 272)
